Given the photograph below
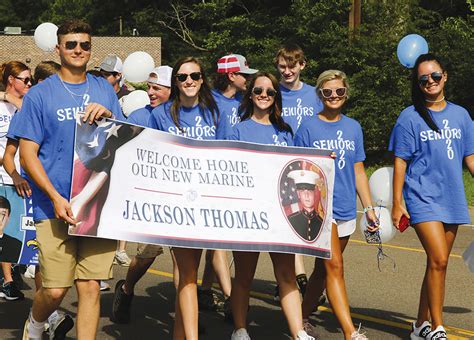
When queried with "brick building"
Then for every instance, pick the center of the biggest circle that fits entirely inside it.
(24, 49)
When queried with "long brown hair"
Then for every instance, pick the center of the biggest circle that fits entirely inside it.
(246, 106)
(205, 99)
(12, 68)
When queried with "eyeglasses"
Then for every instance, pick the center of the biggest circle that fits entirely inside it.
(436, 76)
(85, 45)
(182, 77)
(327, 92)
(259, 90)
(25, 80)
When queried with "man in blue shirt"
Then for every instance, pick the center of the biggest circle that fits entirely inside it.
(46, 136)
(299, 103)
(229, 84)
(299, 100)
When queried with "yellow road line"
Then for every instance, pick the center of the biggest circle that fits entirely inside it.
(354, 315)
(401, 248)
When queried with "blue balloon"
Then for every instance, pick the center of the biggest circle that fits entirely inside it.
(410, 48)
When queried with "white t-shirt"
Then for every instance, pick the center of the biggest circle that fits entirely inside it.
(7, 111)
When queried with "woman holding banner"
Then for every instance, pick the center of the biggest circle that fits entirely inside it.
(332, 129)
(191, 112)
(430, 141)
(261, 122)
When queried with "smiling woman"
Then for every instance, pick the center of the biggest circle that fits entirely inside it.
(331, 129)
(433, 131)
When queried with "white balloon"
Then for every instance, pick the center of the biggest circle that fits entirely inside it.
(134, 100)
(137, 67)
(46, 36)
(380, 184)
(386, 230)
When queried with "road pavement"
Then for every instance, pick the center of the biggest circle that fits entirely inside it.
(383, 301)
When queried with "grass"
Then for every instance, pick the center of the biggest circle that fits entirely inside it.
(468, 182)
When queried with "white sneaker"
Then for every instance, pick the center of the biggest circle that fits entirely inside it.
(121, 258)
(104, 286)
(302, 335)
(59, 325)
(30, 272)
(357, 335)
(420, 333)
(438, 334)
(240, 334)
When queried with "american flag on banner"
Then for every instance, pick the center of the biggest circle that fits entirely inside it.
(95, 150)
(288, 194)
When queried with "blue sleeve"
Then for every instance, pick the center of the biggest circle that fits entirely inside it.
(224, 129)
(234, 134)
(11, 134)
(289, 139)
(402, 142)
(32, 126)
(140, 117)
(469, 140)
(359, 152)
(116, 109)
(302, 137)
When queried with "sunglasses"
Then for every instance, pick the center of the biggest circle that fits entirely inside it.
(328, 93)
(436, 76)
(85, 45)
(259, 90)
(182, 77)
(25, 80)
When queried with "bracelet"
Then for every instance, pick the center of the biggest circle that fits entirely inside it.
(368, 208)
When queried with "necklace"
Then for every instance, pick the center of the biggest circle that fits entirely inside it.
(73, 95)
(434, 101)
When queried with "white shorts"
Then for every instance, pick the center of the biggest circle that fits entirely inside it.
(344, 227)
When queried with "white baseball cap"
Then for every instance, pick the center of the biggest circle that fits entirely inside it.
(234, 63)
(161, 75)
(112, 63)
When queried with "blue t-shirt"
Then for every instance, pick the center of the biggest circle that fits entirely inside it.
(228, 106)
(346, 139)
(254, 132)
(141, 116)
(299, 105)
(434, 188)
(194, 122)
(48, 119)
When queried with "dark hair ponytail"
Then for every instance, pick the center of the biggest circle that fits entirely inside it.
(417, 96)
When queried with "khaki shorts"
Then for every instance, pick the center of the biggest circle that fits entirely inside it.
(148, 251)
(64, 258)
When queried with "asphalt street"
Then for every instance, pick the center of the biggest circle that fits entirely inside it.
(383, 301)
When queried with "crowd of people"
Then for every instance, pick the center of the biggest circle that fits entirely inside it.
(242, 104)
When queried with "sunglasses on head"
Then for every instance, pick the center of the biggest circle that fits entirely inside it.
(25, 80)
(259, 90)
(85, 45)
(182, 77)
(327, 93)
(436, 76)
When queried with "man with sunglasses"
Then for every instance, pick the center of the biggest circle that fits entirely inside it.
(229, 84)
(50, 112)
(111, 70)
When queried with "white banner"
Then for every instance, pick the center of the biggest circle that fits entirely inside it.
(144, 185)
